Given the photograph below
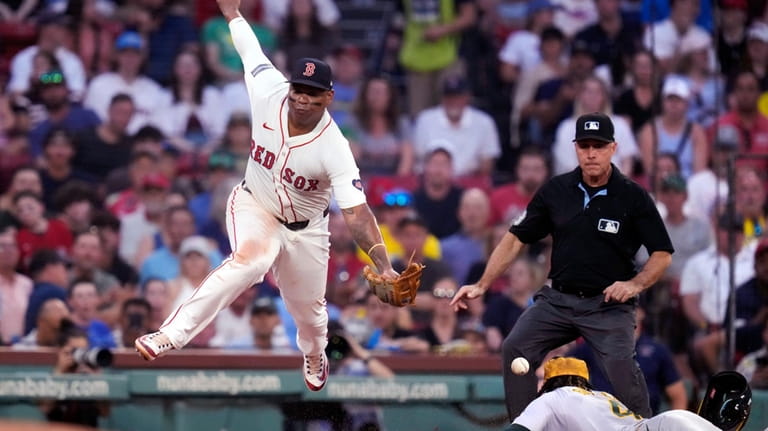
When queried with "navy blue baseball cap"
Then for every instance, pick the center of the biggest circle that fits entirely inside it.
(312, 72)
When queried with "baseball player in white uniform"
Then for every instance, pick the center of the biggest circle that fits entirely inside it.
(567, 402)
(277, 217)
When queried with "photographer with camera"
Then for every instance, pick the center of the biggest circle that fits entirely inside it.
(134, 321)
(75, 357)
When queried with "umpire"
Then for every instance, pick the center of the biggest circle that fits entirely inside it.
(598, 219)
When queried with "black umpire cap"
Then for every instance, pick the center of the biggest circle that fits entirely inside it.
(596, 125)
(312, 72)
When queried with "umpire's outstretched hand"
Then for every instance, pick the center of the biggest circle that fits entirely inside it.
(470, 291)
(622, 291)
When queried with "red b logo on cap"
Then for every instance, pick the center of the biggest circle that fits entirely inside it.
(309, 70)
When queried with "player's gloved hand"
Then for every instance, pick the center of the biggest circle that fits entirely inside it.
(398, 290)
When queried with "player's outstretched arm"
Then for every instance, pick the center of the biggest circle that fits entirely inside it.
(501, 257)
(365, 231)
(245, 41)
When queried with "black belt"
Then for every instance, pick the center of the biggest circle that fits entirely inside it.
(570, 290)
(297, 225)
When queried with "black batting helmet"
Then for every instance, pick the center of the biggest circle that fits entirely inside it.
(727, 401)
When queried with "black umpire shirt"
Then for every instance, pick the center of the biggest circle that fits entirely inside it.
(596, 231)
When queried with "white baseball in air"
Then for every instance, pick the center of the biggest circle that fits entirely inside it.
(520, 366)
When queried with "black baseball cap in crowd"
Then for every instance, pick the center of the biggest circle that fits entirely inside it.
(596, 125)
(312, 72)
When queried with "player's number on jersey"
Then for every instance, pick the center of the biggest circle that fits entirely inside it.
(621, 411)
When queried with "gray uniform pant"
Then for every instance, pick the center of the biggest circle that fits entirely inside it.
(555, 319)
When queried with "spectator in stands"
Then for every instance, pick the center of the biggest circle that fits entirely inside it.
(194, 121)
(613, 40)
(704, 284)
(504, 308)
(264, 332)
(48, 321)
(146, 220)
(468, 134)
(168, 31)
(593, 96)
(698, 69)
(87, 256)
(13, 154)
(104, 148)
(754, 366)
(165, 248)
(508, 201)
(387, 334)
(520, 52)
(348, 68)
(689, 234)
(148, 97)
(134, 322)
(49, 273)
(430, 47)
(661, 377)
(395, 205)
(61, 111)
(751, 124)
(344, 266)
(15, 289)
(74, 411)
(42, 62)
(638, 99)
(276, 12)
(757, 52)
(379, 133)
(672, 132)
(220, 55)
(467, 246)
(20, 12)
(52, 38)
(303, 35)
(751, 196)
(237, 138)
(155, 291)
(108, 228)
(751, 316)
(554, 99)
(25, 179)
(38, 232)
(412, 233)
(74, 204)
(94, 34)
(220, 167)
(191, 268)
(731, 35)
(552, 65)
(215, 226)
(83, 300)
(234, 321)
(442, 331)
(437, 198)
(664, 38)
(57, 169)
(708, 189)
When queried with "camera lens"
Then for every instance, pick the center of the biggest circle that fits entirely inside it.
(94, 358)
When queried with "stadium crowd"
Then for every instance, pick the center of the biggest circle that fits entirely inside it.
(124, 124)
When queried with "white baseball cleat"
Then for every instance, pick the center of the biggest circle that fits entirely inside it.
(315, 371)
(153, 345)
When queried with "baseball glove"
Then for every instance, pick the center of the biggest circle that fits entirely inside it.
(400, 291)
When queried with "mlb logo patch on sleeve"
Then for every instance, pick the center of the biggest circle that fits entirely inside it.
(608, 226)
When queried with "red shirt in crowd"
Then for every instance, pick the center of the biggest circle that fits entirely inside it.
(507, 203)
(56, 237)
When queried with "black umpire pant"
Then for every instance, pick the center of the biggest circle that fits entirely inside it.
(557, 318)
